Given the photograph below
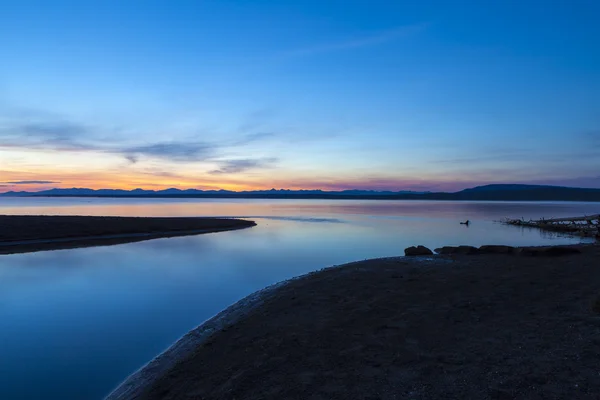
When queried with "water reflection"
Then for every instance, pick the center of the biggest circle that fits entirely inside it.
(76, 322)
(293, 208)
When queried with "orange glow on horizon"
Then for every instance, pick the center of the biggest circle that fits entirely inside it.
(131, 181)
(127, 178)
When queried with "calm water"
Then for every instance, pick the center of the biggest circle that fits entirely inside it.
(74, 323)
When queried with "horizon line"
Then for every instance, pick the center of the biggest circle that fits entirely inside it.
(400, 191)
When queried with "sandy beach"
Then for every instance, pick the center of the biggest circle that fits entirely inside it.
(29, 233)
(454, 327)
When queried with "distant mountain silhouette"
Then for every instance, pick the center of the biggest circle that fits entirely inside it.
(85, 192)
(528, 193)
(502, 192)
(508, 187)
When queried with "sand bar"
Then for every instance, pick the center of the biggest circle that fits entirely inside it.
(481, 327)
(28, 233)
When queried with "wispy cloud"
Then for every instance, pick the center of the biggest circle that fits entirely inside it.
(30, 182)
(132, 158)
(175, 151)
(187, 150)
(242, 165)
(56, 134)
(358, 42)
(159, 173)
(60, 130)
(61, 135)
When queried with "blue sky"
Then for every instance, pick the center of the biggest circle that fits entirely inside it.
(298, 94)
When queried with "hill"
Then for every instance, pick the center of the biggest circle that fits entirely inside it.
(495, 192)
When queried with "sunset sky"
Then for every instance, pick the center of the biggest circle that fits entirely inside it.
(240, 95)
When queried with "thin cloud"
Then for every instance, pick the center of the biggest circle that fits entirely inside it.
(31, 182)
(171, 151)
(176, 151)
(242, 165)
(132, 158)
(60, 130)
(57, 135)
(60, 135)
(158, 172)
(365, 41)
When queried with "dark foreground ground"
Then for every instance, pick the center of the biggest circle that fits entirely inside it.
(455, 327)
(26, 233)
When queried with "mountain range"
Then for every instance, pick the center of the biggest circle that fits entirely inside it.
(499, 192)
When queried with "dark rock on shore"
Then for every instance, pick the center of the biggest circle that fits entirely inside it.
(468, 250)
(417, 251)
(548, 251)
(494, 249)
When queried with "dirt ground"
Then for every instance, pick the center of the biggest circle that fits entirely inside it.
(452, 327)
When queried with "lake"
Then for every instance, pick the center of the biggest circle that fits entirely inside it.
(75, 323)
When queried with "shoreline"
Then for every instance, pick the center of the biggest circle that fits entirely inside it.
(583, 226)
(135, 384)
(170, 374)
(31, 233)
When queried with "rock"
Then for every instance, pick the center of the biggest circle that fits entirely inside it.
(554, 251)
(495, 249)
(467, 250)
(457, 250)
(417, 251)
(446, 250)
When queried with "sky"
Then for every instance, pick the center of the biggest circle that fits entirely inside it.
(303, 94)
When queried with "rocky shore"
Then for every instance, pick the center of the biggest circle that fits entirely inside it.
(535, 251)
(29, 233)
(491, 326)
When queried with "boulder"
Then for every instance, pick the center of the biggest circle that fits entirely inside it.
(495, 249)
(417, 251)
(457, 250)
(446, 250)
